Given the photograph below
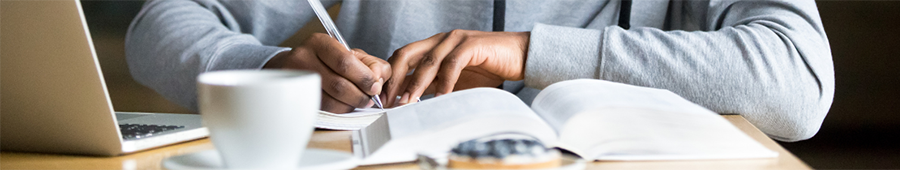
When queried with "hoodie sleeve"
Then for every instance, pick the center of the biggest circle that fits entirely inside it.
(768, 61)
(170, 42)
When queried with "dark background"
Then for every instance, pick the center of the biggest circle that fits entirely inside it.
(861, 131)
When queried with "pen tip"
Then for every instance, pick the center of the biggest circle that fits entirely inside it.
(378, 102)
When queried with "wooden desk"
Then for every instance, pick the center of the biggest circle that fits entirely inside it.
(340, 140)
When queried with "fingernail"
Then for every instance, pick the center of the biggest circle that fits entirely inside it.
(438, 94)
(396, 101)
(384, 101)
(418, 100)
(404, 99)
(376, 87)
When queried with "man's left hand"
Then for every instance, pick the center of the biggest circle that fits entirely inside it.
(455, 60)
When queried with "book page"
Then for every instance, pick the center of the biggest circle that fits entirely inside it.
(440, 123)
(560, 101)
(604, 120)
(455, 107)
(640, 134)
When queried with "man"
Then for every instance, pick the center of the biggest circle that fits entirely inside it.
(767, 60)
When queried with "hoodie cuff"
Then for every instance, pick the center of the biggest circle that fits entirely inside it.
(244, 56)
(557, 53)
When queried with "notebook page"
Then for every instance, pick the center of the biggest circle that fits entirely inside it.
(355, 120)
(358, 112)
(359, 118)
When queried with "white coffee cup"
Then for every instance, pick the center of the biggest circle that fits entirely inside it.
(259, 119)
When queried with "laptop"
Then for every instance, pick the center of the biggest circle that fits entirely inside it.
(54, 98)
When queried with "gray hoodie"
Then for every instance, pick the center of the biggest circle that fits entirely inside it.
(768, 61)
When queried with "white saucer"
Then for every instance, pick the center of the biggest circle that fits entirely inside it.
(312, 159)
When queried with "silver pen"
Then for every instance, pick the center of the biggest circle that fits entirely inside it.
(320, 11)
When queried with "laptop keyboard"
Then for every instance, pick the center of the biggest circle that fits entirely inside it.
(138, 131)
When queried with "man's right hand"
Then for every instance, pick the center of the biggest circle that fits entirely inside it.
(348, 77)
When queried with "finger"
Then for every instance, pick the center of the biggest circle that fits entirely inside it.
(332, 105)
(396, 98)
(344, 63)
(429, 90)
(451, 68)
(340, 88)
(332, 84)
(378, 67)
(428, 67)
(403, 60)
(344, 91)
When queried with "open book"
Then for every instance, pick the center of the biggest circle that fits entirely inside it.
(595, 119)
